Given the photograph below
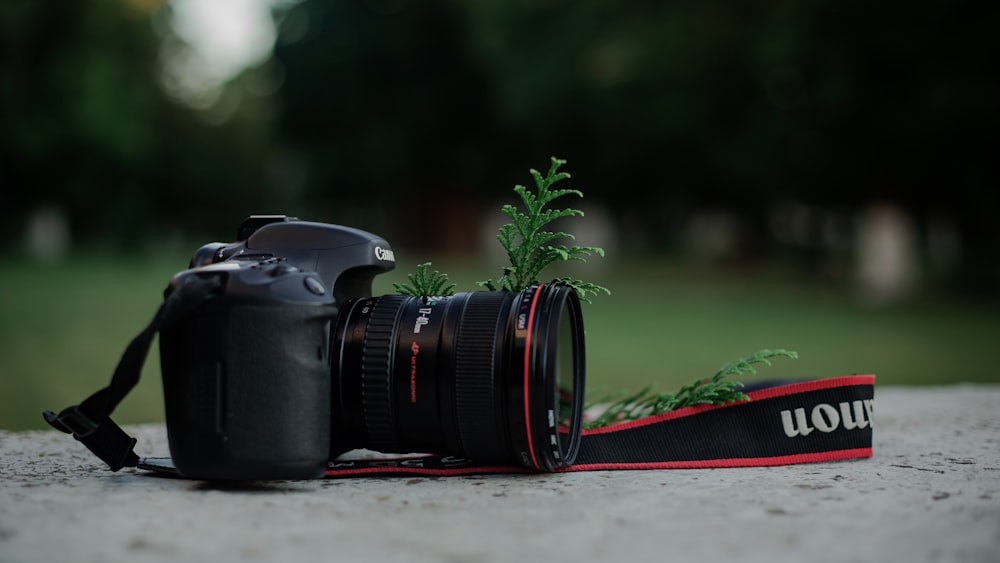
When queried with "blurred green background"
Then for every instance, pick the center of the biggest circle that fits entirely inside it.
(817, 176)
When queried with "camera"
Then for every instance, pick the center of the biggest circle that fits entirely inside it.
(294, 362)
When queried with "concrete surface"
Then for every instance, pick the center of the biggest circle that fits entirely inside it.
(931, 493)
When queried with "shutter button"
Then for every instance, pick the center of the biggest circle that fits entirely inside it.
(314, 285)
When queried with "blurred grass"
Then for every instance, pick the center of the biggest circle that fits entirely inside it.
(63, 328)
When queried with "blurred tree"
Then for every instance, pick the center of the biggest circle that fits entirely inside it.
(388, 119)
(692, 104)
(86, 128)
(413, 117)
(77, 93)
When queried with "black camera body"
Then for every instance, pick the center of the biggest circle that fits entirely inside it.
(277, 358)
(246, 376)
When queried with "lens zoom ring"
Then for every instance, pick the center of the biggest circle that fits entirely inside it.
(376, 374)
(476, 386)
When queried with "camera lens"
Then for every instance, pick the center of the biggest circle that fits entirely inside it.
(496, 377)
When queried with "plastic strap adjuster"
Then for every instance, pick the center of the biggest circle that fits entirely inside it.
(105, 439)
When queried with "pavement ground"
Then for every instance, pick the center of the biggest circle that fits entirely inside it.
(930, 493)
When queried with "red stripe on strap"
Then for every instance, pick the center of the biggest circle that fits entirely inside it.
(838, 455)
(404, 471)
(814, 385)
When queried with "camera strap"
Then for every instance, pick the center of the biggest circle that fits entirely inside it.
(780, 424)
(90, 421)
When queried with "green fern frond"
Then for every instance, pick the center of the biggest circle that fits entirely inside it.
(717, 390)
(583, 288)
(744, 366)
(529, 248)
(425, 285)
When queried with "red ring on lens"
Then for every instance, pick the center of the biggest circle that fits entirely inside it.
(527, 374)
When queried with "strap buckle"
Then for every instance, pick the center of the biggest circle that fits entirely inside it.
(105, 439)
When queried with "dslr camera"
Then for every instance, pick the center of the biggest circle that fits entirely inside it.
(294, 362)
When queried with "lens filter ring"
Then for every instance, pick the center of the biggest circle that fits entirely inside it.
(550, 364)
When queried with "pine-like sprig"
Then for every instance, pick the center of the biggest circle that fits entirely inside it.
(425, 285)
(529, 247)
(718, 390)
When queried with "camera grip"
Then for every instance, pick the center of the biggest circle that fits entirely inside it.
(247, 390)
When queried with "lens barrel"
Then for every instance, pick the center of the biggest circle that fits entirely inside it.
(496, 377)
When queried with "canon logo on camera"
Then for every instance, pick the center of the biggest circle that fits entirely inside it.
(384, 254)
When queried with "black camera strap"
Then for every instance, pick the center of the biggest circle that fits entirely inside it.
(801, 422)
(783, 424)
(90, 421)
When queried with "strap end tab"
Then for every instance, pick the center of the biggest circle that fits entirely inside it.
(105, 439)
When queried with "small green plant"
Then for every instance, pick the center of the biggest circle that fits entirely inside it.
(529, 248)
(717, 390)
(425, 285)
